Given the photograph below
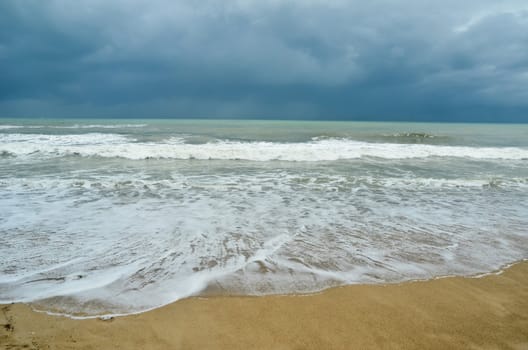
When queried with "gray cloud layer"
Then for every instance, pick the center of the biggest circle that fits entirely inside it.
(414, 60)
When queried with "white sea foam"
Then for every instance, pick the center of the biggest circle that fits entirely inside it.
(113, 244)
(86, 231)
(91, 126)
(330, 183)
(114, 145)
(75, 126)
(45, 140)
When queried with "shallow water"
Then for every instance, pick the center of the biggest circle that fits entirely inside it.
(117, 216)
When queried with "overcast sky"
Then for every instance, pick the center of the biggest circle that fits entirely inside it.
(388, 60)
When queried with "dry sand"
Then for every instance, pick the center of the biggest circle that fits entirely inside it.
(449, 313)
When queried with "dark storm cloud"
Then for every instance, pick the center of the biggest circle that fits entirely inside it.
(421, 60)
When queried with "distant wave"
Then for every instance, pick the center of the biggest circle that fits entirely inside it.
(398, 137)
(114, 145)
(75, 126)
(418, 135)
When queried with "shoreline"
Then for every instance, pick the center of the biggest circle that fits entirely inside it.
(489, 311)
(204, 294)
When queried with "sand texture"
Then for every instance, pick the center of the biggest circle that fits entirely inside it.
(449, 313)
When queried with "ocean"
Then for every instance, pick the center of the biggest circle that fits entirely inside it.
(110, 217)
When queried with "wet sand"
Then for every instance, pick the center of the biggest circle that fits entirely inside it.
(449, 313)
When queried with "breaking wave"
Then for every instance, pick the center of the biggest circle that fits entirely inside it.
(75, 126)
(115, 145)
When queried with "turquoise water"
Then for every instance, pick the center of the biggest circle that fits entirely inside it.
(469, 134)
(119, 216)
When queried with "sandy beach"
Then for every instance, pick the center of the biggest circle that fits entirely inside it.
(489, 312)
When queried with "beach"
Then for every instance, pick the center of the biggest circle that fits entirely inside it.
(489, 312)
(227, 234)
(120, 216)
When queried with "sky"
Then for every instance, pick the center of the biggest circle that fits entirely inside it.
(416, 60)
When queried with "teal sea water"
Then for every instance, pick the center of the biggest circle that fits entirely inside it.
(118, 216)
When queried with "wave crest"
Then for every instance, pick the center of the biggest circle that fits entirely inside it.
(119, 146)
